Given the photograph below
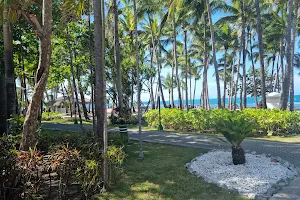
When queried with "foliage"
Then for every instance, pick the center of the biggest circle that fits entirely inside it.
(269, 122)
(48, 116)
(131, 119)
(235, 126)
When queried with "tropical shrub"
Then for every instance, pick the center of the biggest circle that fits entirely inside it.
(48, 116)
(235, 127)
(269, 122)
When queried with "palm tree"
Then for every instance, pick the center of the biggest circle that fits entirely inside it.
(212, 35)
(117, 57)
(294, 28)
(287, 78)
(186, 68)
(100, 99)
(141, 154)
(261, 55)
(10, 85)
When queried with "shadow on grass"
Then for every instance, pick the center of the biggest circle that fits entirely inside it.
(162, 175)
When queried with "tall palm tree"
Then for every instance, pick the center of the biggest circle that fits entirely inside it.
(10, 85)
(294, 29)
(287, 78)
(261, 55)
(100, 99)
(141, 154)
(212, 35)
(186, 68)
(117, 57)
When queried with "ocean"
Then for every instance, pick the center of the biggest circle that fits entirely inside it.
(214, 102)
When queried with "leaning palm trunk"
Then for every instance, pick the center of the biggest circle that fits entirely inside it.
(237, 81)
(44, 32)
(186, 74)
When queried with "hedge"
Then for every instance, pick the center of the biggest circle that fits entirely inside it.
(269, 122)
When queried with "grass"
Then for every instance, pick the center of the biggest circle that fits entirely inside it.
(162, 175)
(66, 121)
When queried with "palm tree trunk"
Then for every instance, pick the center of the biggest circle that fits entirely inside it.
(281, 63)
(244, 46)
(237, 80)
(44, 32)
(253, 68)
(2, 100)
(287, 78)
(186, 74)
(73, 77)
(176, 62)
(10, 84)
(294, 29)
(117, 57)
(212, 35)
(100, 100)
(276, 85)
(141, 154)
(172, 86)
(225, 83)
(151, 80)
(91, 69)
(70, 100)
(194, 91)
(159, 79)
(261, 55)
(207, 97)
(273, 69)
(231, 82)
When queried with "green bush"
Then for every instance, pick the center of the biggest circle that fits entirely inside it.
(48, 116)
(269, 122)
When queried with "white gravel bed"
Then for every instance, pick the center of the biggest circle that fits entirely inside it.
(254, 177)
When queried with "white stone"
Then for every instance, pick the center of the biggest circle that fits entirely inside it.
(256, 176)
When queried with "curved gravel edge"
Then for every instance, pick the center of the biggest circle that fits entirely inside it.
(295, 172)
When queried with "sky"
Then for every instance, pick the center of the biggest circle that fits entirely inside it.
(211, 77)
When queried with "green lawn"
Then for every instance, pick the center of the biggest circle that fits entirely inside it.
(67, 121)
(162, 175)
(288, 139)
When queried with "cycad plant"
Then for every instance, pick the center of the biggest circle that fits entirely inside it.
(235, 127)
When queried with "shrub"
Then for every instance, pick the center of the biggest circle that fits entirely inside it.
(269, 122)
(235, 127)
(48, 116)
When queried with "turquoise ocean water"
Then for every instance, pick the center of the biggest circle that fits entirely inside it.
(214, 102)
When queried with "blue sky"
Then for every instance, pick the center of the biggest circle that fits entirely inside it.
(211, 77)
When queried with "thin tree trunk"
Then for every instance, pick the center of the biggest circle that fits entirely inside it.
(29, 137)
(207, 97)
(244, 46)
(293, 37)
(70, 100)
(151, 80)
(237, 81)
(281, 63)
(287, 78)
(212, 35)
(276, 85)
(73, 77)
(261, 55)
(176, 62)
(273, 68)
(186, 73)
(83, 103)
(253, 68)
(117, 58)
(141, 154)
(194, 92)
(159, 79)
(231, 83)
(10, 84)
(225, 83)
(172, 87)
(91, 68)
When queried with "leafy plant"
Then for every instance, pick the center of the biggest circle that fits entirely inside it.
(235, 127)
